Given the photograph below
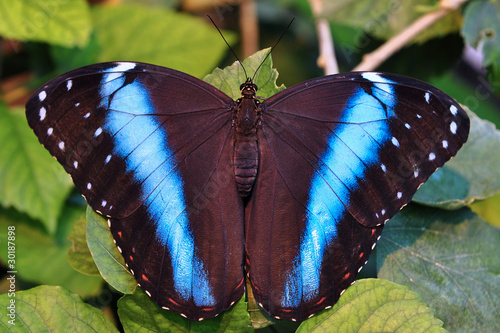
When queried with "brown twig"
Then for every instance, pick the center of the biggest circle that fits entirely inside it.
(326, 58)
(374, 59)
(249, 28)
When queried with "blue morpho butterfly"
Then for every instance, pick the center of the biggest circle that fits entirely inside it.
(202, 191)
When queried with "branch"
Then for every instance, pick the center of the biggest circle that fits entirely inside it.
(249, 28)
(326, 58)
(374, 59)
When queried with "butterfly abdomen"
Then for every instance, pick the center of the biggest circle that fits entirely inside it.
(246, 148)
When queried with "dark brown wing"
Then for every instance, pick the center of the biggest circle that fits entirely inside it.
(339, 155)
(150, 148)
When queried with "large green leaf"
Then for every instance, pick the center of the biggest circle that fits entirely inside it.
(30, 179)
(41, 258)
(451, 259)
(473, 174)
(375, 305)
(65, 23)
(386, 18)
(52, 309)
(153, 35)
(230, 78)
(106, 256)
(137, 312)
(79, 256)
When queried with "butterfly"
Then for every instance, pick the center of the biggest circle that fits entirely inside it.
(202, 191)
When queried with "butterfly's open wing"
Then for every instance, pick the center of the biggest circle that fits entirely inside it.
(150, 148)
(339, 156)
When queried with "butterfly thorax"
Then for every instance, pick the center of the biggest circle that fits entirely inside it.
(246, 149)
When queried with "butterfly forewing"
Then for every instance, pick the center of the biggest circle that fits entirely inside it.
(340, 155)
(148, 147)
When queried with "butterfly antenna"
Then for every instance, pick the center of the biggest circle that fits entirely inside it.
(272, 48)
(230, 48)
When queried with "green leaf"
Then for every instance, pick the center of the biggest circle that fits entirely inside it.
(375, 305)
(79, 256)
(488, 209)
(451, 259)
(65, 23)
(153, 35)
(230, 78)
(259, 317)
(386, 18)
(41, 258)
(106, 256)
(471, 175)
(481, 29)
(52, 309)
(138, 312)
(30, 179)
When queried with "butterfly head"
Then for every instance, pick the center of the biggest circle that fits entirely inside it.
(248, 89)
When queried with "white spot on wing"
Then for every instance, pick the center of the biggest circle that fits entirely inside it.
(77, 104)
(61, 145)
(400, 195)
(75, 164)
(50, 131)
(108, 158)
(407, 126)
(453, 110)
(432, 156)
(69, 84)
(419, 116)
(453, 127)
(104, 202)
(86, 115)
(415, 173)
(42, 95)
(395, 141)
(445, 144)
(43, 113)
(119, 249)
(89, 186)
(427, 97)
(98, 132)
(384, 168)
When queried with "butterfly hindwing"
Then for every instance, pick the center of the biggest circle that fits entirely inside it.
(339, 156)
(144, 145)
